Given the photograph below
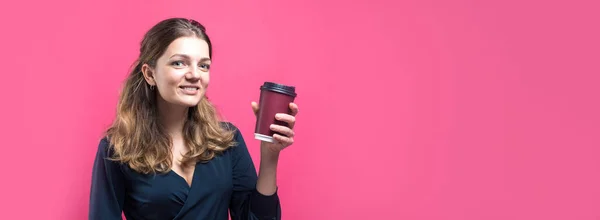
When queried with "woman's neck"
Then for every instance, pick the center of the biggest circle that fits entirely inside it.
(172, 117)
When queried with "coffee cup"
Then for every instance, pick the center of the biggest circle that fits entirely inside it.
(274, 98)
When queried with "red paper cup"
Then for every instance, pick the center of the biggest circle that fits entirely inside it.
(274, 98)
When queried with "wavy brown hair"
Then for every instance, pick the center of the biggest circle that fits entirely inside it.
(137, 137)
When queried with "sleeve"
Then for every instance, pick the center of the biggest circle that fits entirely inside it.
(107, 193)
(246, 202)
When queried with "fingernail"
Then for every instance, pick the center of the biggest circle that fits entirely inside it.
(278, 116)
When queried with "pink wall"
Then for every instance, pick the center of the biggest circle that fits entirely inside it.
(413, 109)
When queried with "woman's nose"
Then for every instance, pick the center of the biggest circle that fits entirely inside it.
(193, 74)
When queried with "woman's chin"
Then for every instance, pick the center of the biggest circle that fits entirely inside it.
(190, 103)
(186, 102)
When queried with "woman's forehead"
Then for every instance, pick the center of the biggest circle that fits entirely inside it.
(190, 47)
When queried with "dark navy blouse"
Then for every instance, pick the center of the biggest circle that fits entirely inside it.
(226, 183)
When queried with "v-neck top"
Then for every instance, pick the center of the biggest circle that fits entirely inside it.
(224, 185)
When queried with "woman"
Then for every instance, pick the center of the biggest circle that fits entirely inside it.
(167, 156)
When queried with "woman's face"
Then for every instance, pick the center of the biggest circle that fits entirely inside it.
(181, 74)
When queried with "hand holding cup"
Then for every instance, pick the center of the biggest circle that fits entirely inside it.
(283, 134)
(275, 116)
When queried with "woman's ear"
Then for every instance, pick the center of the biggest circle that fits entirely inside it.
(148, 74)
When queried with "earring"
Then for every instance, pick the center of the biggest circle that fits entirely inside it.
(151, 87)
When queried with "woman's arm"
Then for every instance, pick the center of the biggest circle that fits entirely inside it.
(269, 152)
(261, 201)
(267, 175)
(247, 203)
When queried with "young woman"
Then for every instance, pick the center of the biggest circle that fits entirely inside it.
(167, 155)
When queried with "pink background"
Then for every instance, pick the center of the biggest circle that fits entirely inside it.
(420, 110)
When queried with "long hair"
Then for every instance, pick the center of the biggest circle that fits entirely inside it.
(137, 137)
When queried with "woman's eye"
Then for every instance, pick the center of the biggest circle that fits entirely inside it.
(205, 66)
(177, 63)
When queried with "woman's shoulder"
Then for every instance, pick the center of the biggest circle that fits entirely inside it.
(229, 126)
(104, 147)
(237, 134)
